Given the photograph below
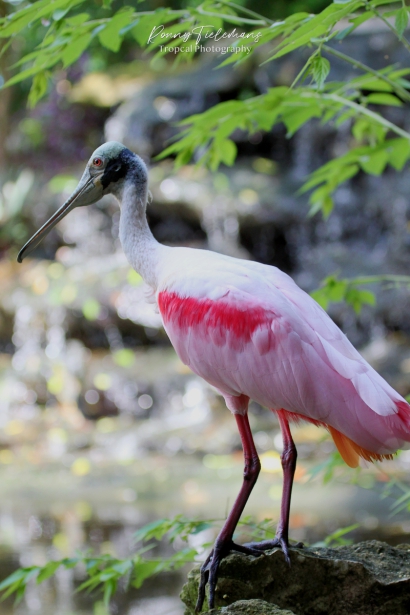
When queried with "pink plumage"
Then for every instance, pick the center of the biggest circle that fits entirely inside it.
(261, 336)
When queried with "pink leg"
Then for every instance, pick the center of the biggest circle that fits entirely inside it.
(288, 459)
(224, 543)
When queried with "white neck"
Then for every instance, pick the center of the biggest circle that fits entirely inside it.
(141, 248)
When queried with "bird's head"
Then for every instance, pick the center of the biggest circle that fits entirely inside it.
(107, 172)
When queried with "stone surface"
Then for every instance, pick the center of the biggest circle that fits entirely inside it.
(369, 578)
(249, 607)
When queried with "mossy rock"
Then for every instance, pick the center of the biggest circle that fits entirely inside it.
(369, 578)
(249, 607)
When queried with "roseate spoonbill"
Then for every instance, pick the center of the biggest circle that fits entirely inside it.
(248, 330)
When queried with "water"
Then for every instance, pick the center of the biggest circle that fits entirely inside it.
(93, 484)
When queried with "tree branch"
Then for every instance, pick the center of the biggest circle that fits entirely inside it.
(396, 87)
(365, 111)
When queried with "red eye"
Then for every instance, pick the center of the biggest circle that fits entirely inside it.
(97, 162)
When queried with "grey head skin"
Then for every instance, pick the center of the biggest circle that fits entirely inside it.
(107, 171)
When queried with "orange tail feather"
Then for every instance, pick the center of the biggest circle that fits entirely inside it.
(350, 451)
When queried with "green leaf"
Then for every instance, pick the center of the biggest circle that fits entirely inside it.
(20, 19)
(16, 576)
(60, 13)
(366, 296)
(302, 40)
(295, 117)
(47, 571)
(327, 206)
(336, 289)
(227, 151)
(402, 19)
(143, 570)
(77, 20)
(337, 537)
(156, 529)
(183, 157)
(109, 589)
(110, 37)
(33, 70)
(357, 21)
(374, 164)
(38, 88)
(376, 3)
(76, 48)
(356, 298)
(365, 129)
(122, 567)
(314, 27)
(399, 152)
(34, 12)
(384, 99)
(176, 527)
(320, 68)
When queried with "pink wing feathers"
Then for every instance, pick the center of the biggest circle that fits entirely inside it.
(262, 336)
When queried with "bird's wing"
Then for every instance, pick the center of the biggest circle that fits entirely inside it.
(340, 354)
(247, 328)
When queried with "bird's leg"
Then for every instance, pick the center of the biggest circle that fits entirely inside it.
(288, 459)
(224, 544)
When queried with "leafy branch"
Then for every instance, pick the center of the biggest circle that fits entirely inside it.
(209, 137)
(209, 133)
(102, 571)
(335, 290)
(394, 86)
(105, 572)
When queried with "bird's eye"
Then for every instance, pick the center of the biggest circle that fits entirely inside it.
(97, 162)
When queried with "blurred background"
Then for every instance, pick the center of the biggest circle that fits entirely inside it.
(103, 429)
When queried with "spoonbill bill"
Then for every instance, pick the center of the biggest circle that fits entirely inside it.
(252, 333)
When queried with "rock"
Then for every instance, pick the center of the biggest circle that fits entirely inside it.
(369, 578)
(249, 607)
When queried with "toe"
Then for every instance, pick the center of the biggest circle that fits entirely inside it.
(264, 545)
(212, 581)
(247, 549)
(202, 583)
(285, 548)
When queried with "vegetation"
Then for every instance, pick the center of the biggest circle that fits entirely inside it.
(65, 29)
(105, 572)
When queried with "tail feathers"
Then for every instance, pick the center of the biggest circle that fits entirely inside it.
(346, 447)
(350, 451)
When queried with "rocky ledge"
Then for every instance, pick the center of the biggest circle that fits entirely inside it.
(369, 578)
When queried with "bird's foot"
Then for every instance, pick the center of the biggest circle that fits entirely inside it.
(209, 569)
(280, 541)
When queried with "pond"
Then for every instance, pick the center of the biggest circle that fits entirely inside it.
(69, 484)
